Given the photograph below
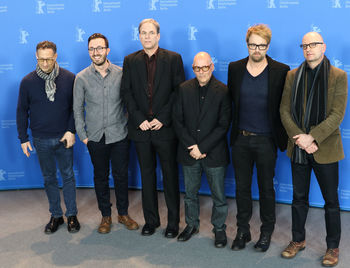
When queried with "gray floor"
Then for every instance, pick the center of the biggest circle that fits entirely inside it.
(23, 243)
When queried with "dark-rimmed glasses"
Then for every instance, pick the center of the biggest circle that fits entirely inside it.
(49, 61)
(310, 45)
(203, 68)
(98, 49)
(259, 46)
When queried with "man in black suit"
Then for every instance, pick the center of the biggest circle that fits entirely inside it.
(256, 85)
(150, 77)
(202, 117)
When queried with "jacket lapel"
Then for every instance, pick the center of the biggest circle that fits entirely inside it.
(239, 79)
(142, 70)
(194, 97)
(159, 70)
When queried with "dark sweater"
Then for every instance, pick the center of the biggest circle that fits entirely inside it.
(253, 111)
(47, 119)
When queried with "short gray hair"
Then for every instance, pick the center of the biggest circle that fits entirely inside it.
(153, 21)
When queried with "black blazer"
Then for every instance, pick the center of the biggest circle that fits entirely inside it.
(169, 75)
(276, 78)
(206, 128)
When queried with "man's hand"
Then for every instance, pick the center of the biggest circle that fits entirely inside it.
(156, 124)
(195, 152)
(25, 146)
(86, 141)
(303, 140)
(145, 125)
(312, 148)
(70, 138)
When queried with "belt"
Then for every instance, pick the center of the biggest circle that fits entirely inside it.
(247, 133)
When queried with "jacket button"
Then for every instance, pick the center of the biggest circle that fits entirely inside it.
(198, 130)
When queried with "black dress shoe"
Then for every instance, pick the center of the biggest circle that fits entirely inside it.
(263, 243)
(220, 239)
(187, 233)
(240, 241)
(148, 229)
(53, 224)
(73, 224)
(171, 232)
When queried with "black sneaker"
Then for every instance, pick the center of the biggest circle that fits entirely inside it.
(53, 224)
(73, 224)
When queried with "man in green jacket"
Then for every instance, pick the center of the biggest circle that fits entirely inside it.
(312, 108)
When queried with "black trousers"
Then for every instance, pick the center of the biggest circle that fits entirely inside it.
(116, 154)
(328, 178)
(166, 150)
(261, 151)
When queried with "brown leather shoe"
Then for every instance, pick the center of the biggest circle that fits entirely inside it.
(292, 249)
(128, 222)
(105, 225)
(331, 257)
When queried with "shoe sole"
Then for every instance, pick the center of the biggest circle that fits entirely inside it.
(103, 232)
(291, 257)
(237, 248)
(221, 245)
(73, 230)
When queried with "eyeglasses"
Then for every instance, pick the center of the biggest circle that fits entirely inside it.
(49, 61)
(203, 68)
(259, 46)
(311, 45)
(98, 49)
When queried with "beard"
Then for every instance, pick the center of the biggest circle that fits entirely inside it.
(102, 60)
(257, 57)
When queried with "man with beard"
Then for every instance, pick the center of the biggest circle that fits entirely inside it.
(150, 78)
(256, 85)
(312, 108)
(104, 130)
(46, 99)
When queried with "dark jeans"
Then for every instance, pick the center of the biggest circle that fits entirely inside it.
(216, 178)
(327, 177)
(102, 155)
(245, 152)
(146, 153)
(50, 152)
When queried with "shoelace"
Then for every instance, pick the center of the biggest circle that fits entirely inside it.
(292, 245)
(331, 252)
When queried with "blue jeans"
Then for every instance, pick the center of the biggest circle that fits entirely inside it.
(50, 152)
(216, 178)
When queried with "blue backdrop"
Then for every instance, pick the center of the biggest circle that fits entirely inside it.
(187, 27)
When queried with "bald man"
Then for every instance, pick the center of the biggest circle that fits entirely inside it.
(201, 118)
(312, 108)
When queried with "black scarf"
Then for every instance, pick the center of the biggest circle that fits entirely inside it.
(316, 102)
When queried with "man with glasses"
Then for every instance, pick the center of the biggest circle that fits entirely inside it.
(46, 99)
(150, 78)
(103, 129)
(202, 117)
(312, 108)
(256, 85)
